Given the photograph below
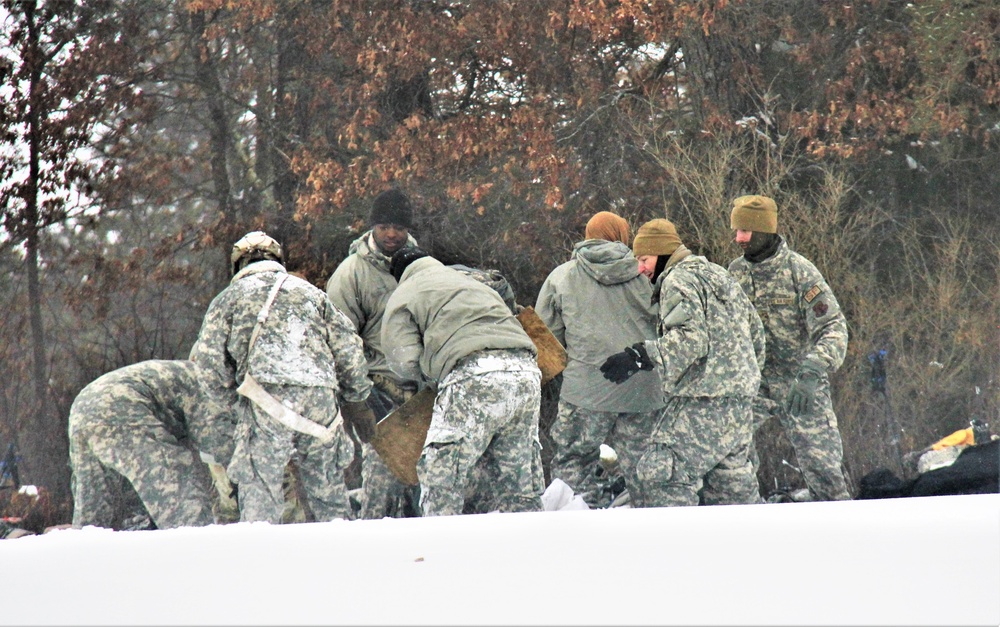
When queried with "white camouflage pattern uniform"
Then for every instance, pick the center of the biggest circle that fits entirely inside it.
(308, 356)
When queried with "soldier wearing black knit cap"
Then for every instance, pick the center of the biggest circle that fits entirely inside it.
(360, 287)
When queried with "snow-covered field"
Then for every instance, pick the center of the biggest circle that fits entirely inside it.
(916, 561)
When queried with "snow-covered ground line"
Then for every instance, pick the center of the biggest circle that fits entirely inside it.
(915, 561)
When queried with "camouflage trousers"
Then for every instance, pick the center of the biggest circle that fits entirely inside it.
(167, 475)
(699, 449)
(815, 437)
(486, 415)
(578, 434)
(382, 494)
(264, 447)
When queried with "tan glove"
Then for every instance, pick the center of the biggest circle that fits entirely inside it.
(361, 418)
(226, 509)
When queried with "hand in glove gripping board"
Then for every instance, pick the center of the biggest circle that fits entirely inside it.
(361, 418)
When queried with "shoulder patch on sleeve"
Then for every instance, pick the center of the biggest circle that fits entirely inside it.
(820, 309)
(813, 292)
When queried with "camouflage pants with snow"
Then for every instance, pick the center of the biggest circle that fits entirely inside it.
(167, 474)
(815, 437)
(699, 447)
(264, 447)
(578, 434)
(382, 494)
(486, 413)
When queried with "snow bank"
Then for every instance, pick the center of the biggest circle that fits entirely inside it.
(916, 561)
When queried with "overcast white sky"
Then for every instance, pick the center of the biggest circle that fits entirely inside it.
(914, 561)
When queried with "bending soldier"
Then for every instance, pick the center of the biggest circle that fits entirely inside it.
(446, 329)
(299, 369)
(146, 423)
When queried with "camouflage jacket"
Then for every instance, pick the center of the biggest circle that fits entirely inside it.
(172, 392)
(360, 287)
(801, 316)
(596, 304)
(438, 316)
(711, 340)
(305, 341)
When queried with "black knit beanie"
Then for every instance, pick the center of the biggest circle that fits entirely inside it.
(392, 207)
(402, 259)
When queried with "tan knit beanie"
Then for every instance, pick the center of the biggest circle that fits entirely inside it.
(656, 237)
(608, 226)
(754, 213)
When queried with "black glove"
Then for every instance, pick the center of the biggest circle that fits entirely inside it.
(361, 418)
(803, 391)
(620, 366)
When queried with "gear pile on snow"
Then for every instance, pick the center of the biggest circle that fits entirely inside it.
(965, 462)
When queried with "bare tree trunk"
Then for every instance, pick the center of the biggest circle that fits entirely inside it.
(208, 80)
(42, 442)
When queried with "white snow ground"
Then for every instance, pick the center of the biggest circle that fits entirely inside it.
(913, 561)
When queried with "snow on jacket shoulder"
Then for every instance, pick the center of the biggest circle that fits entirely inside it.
(305, 341)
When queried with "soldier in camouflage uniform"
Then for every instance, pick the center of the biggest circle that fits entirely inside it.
(306, 355)
(806, 340)
(146, 423)
(595, 303)
(360, 287)
(708, 355)
(446, 329)
(483, 476)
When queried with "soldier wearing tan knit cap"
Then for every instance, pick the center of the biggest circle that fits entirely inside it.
(654, 244)
(806, 340)
(755, 213)
(708, 355)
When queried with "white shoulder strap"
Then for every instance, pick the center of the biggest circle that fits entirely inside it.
(264, 311)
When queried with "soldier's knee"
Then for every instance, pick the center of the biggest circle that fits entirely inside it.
(731, 486)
